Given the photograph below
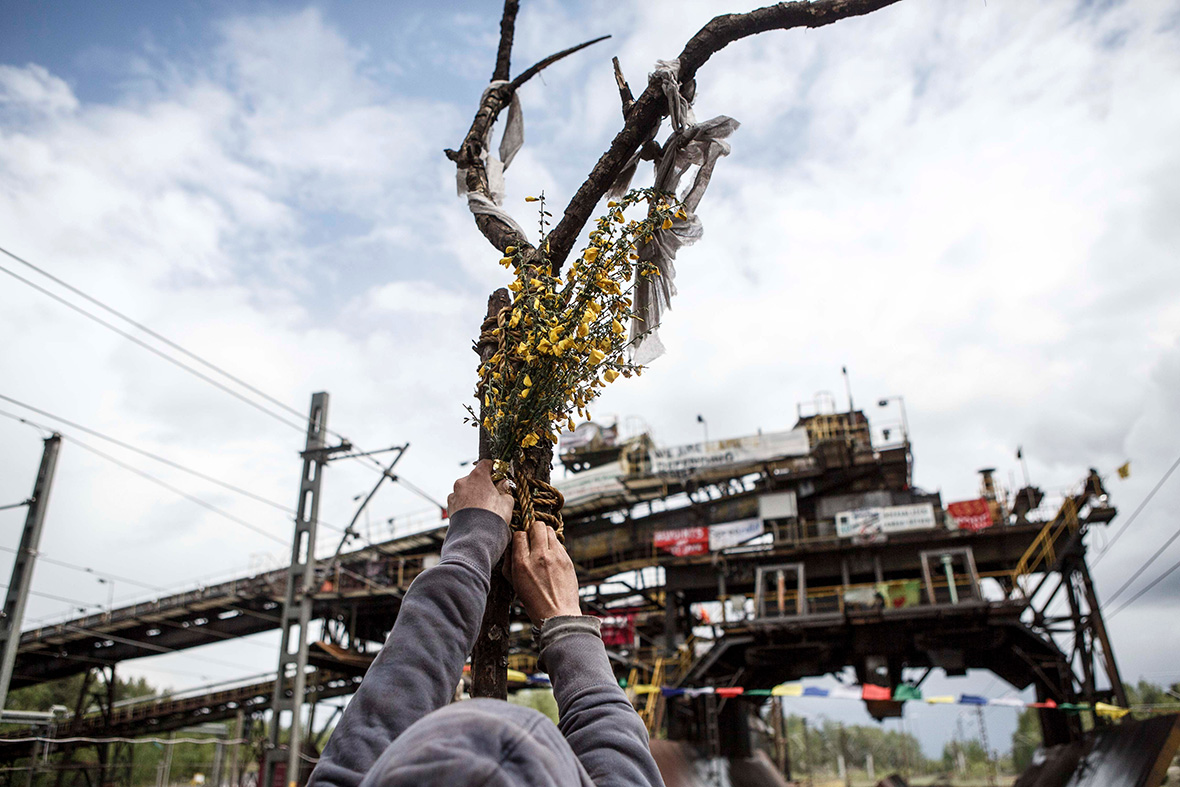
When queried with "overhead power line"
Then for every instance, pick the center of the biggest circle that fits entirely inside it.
(156, 457)
(75, 602)
(192, 498)
(43, 558)
(150, 455)
(154, 334)
(1143, 504)
(1168, 572)
(361, 456)
(166, 341)
(135, 643)
(1144, 567)
(152, 349)
(148, 476)
(416, 490)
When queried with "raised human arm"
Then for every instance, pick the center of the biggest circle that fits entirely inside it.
(595, 715)
(418, 668)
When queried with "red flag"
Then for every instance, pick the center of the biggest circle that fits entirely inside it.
(1045, 704)
(731, 691)
(870, 691)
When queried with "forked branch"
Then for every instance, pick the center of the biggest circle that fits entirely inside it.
(641, 116)
(470, 155)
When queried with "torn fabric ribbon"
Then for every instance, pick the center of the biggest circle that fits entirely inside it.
(494, 166)
(691, 145)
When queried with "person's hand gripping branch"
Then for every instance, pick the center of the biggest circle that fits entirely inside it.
(543, 574)
(476, 490)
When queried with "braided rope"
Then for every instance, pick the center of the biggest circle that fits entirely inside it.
(535, 499)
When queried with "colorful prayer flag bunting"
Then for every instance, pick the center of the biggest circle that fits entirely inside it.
(845, 693)
(787, 690)
(1110, 711)
(868, 692)
(905, 691)
(1070, 707)
(1008, 702)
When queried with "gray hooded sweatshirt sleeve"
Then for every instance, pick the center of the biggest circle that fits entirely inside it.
(422, 661)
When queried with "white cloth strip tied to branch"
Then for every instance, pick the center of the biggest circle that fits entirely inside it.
(494, 166)
(691, 144)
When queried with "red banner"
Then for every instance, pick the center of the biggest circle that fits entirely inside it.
(683, 541)
(971, 515)
(618, 630)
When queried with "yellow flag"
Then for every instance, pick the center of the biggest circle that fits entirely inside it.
(787, 690)
(1110, 711)
(941, 700)
(1125, 470)
(645, 688)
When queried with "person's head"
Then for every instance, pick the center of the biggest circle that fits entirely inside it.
(483, 742)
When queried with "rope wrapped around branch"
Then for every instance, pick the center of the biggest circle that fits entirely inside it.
(536, 500)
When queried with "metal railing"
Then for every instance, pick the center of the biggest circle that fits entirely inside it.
(866, 596)
(1043, 550)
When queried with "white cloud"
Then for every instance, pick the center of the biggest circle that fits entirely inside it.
(969, 205)
(417, 297)
(33, 88)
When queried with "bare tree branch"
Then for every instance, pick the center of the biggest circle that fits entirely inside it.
(535, 69)
(507, 31)
(470, 154)
(651, 149)
(651, 105)
(625, 94)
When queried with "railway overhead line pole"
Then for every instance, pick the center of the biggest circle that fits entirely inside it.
(290, 683)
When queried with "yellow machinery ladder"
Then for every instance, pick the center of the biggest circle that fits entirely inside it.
(650, 713)
(1042, 552)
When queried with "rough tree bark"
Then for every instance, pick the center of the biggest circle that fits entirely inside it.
(641, 118)
(489, 658)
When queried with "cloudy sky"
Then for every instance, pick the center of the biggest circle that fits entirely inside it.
(969, 204)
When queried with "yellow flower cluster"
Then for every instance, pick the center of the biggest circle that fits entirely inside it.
(561, 342)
